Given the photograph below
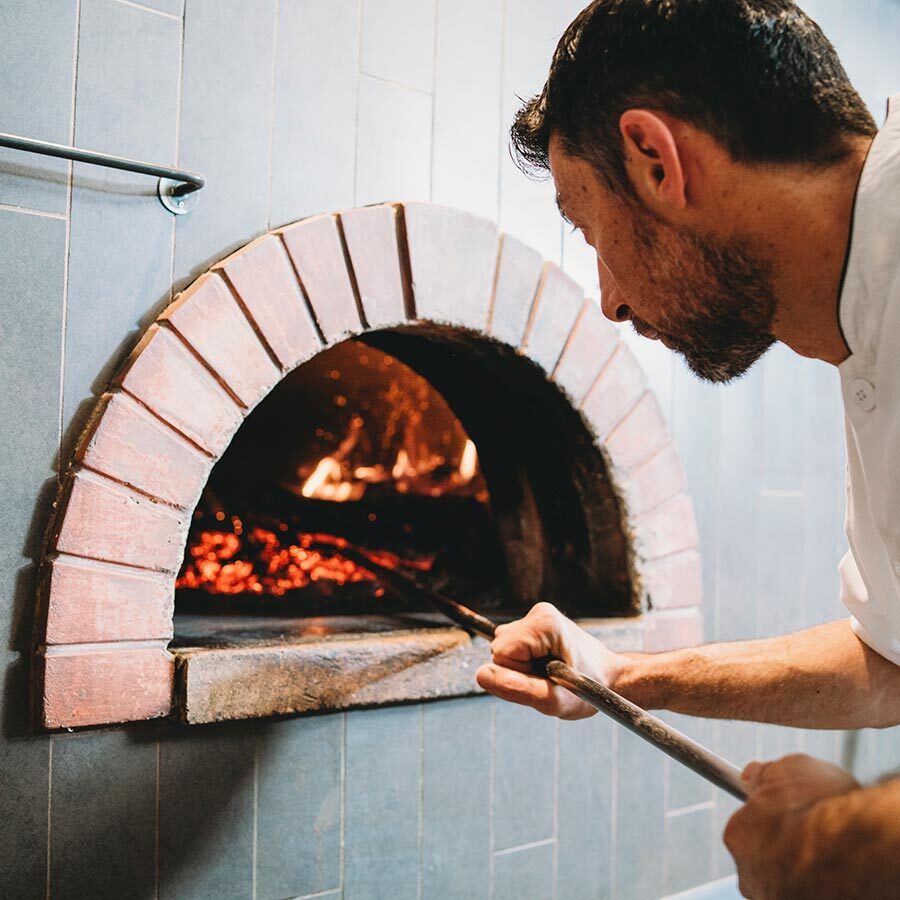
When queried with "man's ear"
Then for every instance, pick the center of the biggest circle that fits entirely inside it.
(653, 160)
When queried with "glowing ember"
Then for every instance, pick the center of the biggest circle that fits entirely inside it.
(260, 562)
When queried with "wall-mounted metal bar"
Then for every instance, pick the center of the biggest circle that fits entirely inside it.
(177, 189)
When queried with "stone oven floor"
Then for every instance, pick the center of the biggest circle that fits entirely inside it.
(239, 666)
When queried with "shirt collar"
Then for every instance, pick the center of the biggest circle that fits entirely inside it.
(874, 239)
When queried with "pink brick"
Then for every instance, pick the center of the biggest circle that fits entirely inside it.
(371, 236)
(518, 276)
(129, 444)
(106, 521)
(88, 602)
(617, 390)
(314, 247)
(657, 479)
(164, 375)
(675, 581)
(559, 301)
(672, 630)
(98, 685)
(641, 434)
(264, 279)
(668, 529)
(453, 259)
(589, 348)
(208, 317)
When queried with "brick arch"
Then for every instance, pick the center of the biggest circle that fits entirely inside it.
(106, 596)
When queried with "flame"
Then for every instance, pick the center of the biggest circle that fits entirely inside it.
(258, 562)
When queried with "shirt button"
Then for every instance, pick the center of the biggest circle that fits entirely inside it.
(897, 567)
(862, 393)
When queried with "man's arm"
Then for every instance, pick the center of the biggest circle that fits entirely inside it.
(823, 677)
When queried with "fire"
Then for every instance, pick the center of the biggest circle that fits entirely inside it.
(260, 561)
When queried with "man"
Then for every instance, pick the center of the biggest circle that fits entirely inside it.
(716, 157)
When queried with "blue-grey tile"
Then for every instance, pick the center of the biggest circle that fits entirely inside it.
(31, 313)
(226, 118)
(206, 781)
(586, 769)
(824, 495)
(299, 782)
(527, 208)
(722, 863)
(104, 796)
(785, 397)
(525, 874)
(776, 741)
(397, 41)
(37, 58)
(695, 430)
(640, 837)
(381, 826)
(823, 745)
(466, 154)
(736, 742)
(24, 768)
(314, 131)
(456, 799)
(737, 535)
(686, 788)
(120, 267)
(780, 603)
(393, 143)
(524, 759)
(721, 889)
(689, 850)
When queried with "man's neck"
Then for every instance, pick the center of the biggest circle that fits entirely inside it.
(809, 237)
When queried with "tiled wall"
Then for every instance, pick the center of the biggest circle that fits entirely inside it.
(291, 107)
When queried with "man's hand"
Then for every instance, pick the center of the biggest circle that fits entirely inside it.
(545, 631)
(766, 836)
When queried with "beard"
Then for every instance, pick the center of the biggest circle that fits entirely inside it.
(723, 296)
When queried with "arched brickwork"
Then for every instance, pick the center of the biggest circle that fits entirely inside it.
(107, 581)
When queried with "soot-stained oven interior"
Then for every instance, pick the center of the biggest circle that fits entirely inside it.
(440, 453)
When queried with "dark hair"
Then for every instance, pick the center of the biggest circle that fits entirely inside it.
(758, 75)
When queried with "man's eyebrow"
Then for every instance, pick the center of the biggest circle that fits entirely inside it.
(562, 212)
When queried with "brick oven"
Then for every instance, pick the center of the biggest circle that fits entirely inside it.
(401, 377)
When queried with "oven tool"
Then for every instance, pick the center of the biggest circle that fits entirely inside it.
(652, 729)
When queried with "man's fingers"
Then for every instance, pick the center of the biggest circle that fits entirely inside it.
(517, 687)
(510, 663)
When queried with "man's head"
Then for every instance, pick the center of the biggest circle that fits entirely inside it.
(656, 118)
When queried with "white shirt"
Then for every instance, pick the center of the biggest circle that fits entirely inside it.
(870, 383)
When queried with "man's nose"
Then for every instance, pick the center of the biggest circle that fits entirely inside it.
(610, 300)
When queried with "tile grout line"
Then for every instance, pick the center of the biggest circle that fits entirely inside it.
(255, 853)
(275, 20)
(556, 809)
(70, 179)
(420, 877)
(399, 84)
(359, 7)
(614, 817)
(492, 782)
(148, 9)
(500, 128)
(434, 46)
(28, 211)
(531, 845)
(178, 111)
(49, 808)
(157, 833)
(342, 826)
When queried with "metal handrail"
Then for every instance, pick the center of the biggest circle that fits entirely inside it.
(175, 186)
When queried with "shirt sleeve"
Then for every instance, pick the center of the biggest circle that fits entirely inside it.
(865, 621)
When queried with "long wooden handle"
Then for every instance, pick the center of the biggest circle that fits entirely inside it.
(653, 730)
(668, 739)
